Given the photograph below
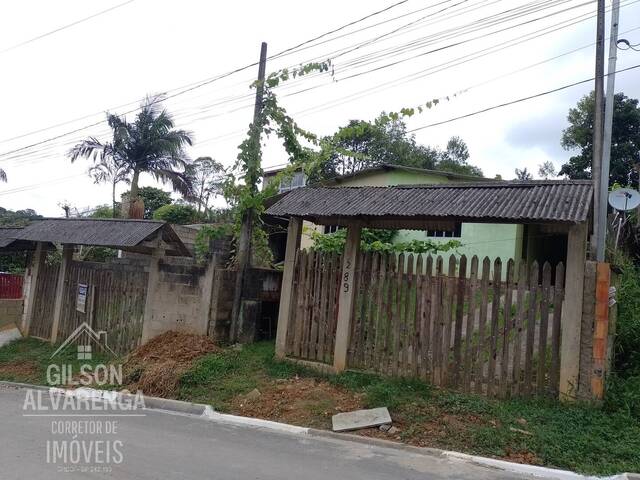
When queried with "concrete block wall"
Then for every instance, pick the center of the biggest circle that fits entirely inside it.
(10, 312)
(180, 299)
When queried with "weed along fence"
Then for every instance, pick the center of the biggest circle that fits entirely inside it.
(453, 322)
(498, 327)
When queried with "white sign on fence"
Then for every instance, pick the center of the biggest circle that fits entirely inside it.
(81, 301)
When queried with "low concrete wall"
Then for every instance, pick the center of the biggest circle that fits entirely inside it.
(180, 299)
(10, 312)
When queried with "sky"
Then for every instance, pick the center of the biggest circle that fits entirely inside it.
(56, 88)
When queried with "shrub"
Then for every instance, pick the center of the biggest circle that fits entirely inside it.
(627, 344)
(179, 214)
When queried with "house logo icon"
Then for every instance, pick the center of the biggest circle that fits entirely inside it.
(84, 337)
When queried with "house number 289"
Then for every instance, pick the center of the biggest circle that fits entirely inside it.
(346, 277)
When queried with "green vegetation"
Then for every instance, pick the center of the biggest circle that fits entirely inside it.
(26, 360)
(577, 437)
(375, 240)
(178, 214)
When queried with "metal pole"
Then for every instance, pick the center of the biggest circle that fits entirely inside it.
(243, 249)
(597, 126)
(601, 234)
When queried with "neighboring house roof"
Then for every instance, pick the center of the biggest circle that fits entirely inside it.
(566, 201)
(123, 234)
(385, 167)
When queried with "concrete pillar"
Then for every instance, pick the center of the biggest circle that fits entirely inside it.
(35, 268)
(67, 257)
(294, 232)
(205, 299)
(152, 287)
(346, 298)
(572, 312)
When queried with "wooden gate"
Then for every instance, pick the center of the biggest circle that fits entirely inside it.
(114, 303)
(315, 306)
(45, 293)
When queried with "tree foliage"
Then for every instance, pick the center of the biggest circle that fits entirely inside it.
(523, 174)
(361, 145)
(18, 218)
(625, 141)
(153, 199)
(110, 170)
(547, 170)
(207, 178)
(178, 214)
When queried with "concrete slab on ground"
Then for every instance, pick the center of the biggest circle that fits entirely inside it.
(9, 335)
(357, 419)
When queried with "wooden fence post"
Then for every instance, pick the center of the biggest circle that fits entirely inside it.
(347, 297)
(30, 295)
(67, 256)
(572, 311)
(294, 231)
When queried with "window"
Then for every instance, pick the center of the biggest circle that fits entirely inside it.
(331, 228)
(297, 180)
(456, 232)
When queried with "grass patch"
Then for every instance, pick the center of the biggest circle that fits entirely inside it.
(26, 360)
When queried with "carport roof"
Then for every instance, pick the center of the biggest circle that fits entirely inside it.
(541, 201)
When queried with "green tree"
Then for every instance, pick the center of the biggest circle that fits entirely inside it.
(207, 178)
(18, 218)
(153, 199)
(179, 214)
(455, 159)
(625, 140)
(547, 169)
(149, 144)
(523, 174)
(361, 144)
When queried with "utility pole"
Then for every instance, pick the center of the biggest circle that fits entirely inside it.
(243, 249)
(598, 121)
(601, 234)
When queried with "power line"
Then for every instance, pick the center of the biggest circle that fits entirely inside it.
(64, 27)
(530, 97)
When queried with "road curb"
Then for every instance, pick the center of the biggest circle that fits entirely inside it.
(23, 385)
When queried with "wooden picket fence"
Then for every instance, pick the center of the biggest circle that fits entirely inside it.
(474, 326)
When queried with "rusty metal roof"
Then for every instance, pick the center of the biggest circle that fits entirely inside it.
(115, 233)
(566, 201)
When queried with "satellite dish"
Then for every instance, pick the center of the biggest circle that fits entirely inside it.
(624, 199)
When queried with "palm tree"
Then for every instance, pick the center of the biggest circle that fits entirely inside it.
(149, 144)
(108, 169)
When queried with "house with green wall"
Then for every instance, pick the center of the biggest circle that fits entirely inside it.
(517, 241)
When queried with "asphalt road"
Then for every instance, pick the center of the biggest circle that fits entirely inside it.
(160, 445)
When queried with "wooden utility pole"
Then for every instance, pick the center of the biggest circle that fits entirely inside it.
(598, 122)
(601, 233)
(243, 249)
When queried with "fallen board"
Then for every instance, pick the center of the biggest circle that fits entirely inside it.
(357, 419)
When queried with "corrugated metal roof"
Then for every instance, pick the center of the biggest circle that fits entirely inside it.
(514, 202)
(7, 235)
(116, 233)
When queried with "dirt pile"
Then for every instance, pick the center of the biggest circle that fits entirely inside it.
(299, 401)
(155, 367)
